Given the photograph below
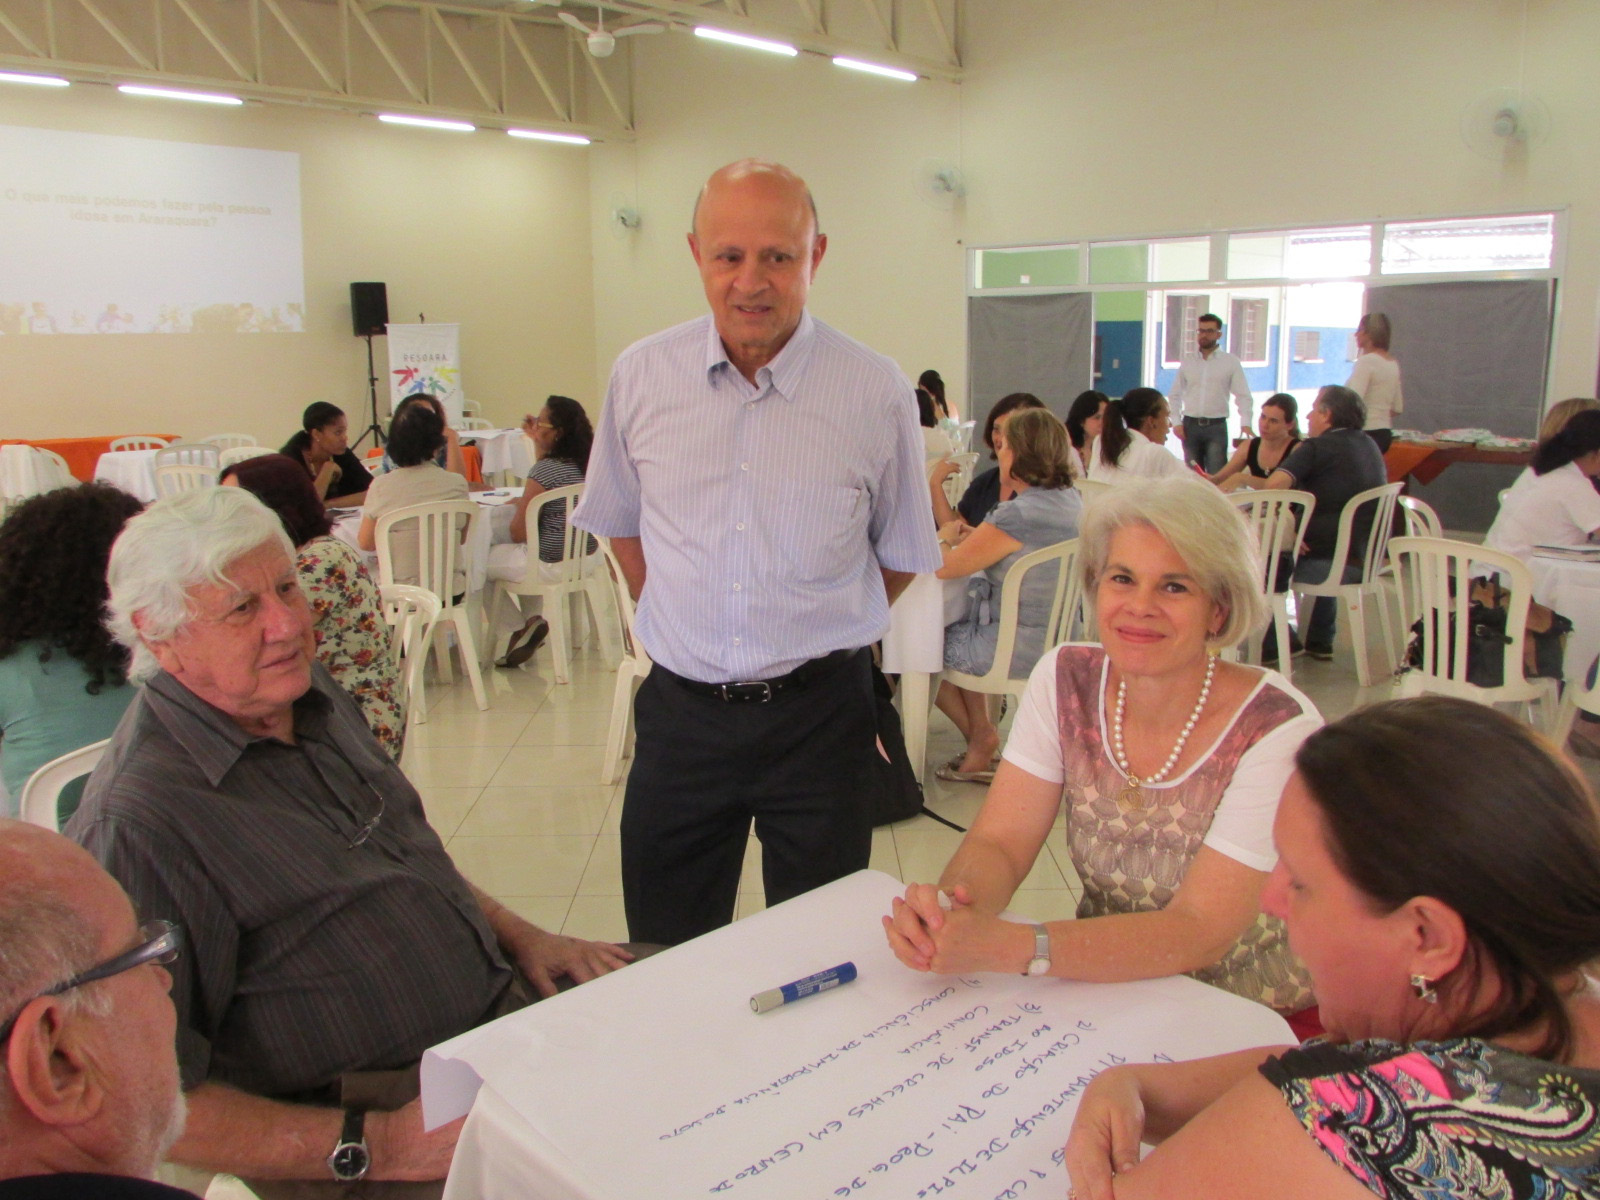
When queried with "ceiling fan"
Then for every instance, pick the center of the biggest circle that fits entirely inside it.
(603, 41)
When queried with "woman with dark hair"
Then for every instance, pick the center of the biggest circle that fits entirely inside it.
(1083, 422)
(931, 382)
(1376, 378)
(1554, 503)
(1260, 456)
(63, 678)
(1035, 464)
(449, 456)
(322, 447)
(985, 491)
(562, 438)
(1133, 439)
(415, 437)
(936, 442)
(352, 636)
(1439, 871)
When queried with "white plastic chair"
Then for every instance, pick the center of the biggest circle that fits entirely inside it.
(579, 576)
(138, 441)
(412, 613)
(1092, 489)
(1435, 579)
(57, 466)
(236, 454)
(962, 438)
(439, 530)
(471, 408)
(1277, 522)
(230, 441)
(631, 671)
(41, 794)
(1577, 696)
(1371, 561)
(1421, 520)
(172, 479)
(187, 454)
(471, 424)
(998, 680)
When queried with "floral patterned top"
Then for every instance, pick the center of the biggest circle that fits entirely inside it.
(352, 636)
(1436, 1120)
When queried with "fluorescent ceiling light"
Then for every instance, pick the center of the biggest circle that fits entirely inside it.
(134, 89)
(41, 80)
(739, 39)
(427, 122)
(855, 64)
(571, 139)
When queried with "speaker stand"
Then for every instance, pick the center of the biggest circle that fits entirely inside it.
(373, 428)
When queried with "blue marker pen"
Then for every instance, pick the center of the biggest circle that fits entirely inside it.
(822, 981)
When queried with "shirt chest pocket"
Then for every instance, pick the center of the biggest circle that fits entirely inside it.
(830, 537)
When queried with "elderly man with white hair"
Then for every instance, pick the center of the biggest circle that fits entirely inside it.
(331, 938)
(89, 1098)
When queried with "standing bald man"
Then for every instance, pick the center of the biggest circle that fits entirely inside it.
(761, 478)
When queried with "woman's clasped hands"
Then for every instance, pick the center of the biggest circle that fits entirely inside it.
(944, 933)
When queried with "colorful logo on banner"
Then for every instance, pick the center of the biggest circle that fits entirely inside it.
(426, 358)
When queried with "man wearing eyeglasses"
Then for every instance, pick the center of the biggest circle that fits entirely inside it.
(331, 939)
(89, 1098)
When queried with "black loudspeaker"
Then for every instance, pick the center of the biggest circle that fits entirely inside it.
(369, 308)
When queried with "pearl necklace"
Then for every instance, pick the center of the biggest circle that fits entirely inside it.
(1133, 795)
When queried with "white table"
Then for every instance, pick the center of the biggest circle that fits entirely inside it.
(914, 650)
(134, 471)
(501, 450)
(1573, 590)
(26, 472)
(660, 1081)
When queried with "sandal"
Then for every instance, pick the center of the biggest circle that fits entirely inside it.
(519, 652)
(949, 774)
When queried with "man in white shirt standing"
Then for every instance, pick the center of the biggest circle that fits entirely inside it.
(1200, 397)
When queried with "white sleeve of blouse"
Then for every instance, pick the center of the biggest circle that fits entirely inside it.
(1241, 827)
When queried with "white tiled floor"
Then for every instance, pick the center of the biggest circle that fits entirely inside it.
(515, 793)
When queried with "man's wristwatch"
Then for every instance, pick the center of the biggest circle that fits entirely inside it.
(350, 1158)
(1039, 964)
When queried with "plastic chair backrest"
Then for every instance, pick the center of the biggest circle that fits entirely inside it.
(475, 423)
(576, 545)
(1092, 489)
(1277, 521)
(1435, 579)
(170, 480)
(57, 466)
(137, 441)
(1421, 520)
(229, 441)
(439, 530)
(623, 599)
(1063, 603)
(470, 407)
(234, 454)
(187, 454)
(1376, 552)
(411, 613)
(38, 801)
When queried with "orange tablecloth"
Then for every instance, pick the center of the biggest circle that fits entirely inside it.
(470, 458)
(1425, 461)
(81, 453)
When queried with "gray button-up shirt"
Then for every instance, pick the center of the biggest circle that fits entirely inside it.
(305, 957)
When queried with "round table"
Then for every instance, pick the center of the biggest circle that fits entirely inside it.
(1572, 588)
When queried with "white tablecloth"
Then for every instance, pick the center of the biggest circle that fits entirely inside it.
(501, 450)
(1573, 590)
(660, 1081)
(134, 471)
(25, 472)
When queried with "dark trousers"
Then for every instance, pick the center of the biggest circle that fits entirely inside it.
(1384, 438)
(1205, 443)
(800, 765)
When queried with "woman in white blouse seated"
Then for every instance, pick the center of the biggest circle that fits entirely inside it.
(1376, 379)
(936, 442)
(1554, 504)
(1169, 763)
(1133, 440)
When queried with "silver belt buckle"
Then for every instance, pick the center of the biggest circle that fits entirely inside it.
(734, 692)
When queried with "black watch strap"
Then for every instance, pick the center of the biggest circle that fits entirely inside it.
(350, 1159)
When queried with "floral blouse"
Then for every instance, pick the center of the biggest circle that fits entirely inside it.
(1433, 1120)
(352, 636)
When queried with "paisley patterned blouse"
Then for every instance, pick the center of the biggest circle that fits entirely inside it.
(352, 636)
(1438, 1120)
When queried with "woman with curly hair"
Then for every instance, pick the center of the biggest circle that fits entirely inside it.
(352, 635)
(63, 679)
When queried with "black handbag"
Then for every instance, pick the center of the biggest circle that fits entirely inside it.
(1543, 647)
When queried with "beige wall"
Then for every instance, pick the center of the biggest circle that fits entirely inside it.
(1101, 118)
(483, 229)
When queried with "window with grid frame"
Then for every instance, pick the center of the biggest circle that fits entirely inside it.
(1247, 330)
(1183, 323)
(1308, 345)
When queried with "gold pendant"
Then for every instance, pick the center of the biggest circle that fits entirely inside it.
(1133, 795)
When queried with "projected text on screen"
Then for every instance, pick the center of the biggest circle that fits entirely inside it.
(107, 234)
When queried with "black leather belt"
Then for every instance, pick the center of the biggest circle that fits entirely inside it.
(1206, 420)
(762, 691)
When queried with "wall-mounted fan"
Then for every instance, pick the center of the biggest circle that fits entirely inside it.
(940, 183)
(1505, 119)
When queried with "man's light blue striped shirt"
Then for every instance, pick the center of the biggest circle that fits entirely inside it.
(765, 512)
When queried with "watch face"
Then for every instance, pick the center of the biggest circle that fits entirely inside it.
(350, 1161)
